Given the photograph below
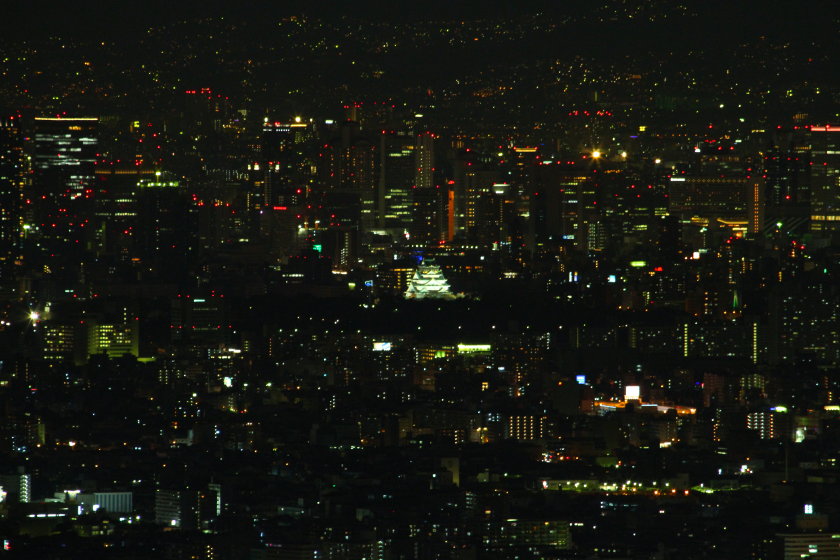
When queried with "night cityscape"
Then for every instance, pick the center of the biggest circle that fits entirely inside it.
(422, 281)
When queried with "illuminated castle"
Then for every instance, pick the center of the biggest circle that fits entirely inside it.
(428, 282)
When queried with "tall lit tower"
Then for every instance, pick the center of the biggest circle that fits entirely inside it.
(786, 194)
(63, 185)
(424, 160)
(349, 167)
(825, 180)
(12, 173)
(397, 173)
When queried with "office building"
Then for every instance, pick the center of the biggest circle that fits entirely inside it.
(348, 166)
(17, 487)
(564, 209)
(817, 546)
(114, 338)
(825, 180)
(64, 180)
(787, 190)
(397, 176)
(187, 508)
(12, 176)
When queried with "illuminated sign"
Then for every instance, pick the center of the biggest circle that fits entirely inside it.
(581, 379)
(381, 346)
(67, 119)
(473, 348)
(631, 393)
(638, 264)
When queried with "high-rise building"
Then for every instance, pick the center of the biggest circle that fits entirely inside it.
(787, 193)
(429, 215)
(394, 277)
(17, 487)
(825, 180)
(166, 221)
(475, 177)
(115, 336)
(763, 422)
(524, 160)
(277, 137)
(112, 502)
(62, 192)
(563, 208)
(525, 426)
(144, 215)
(425, 160)
(710, 197)
(12, 174)
(341, 245)
(796, 546)
(397, 174)
(281, 174)
(348, 165)
(115, 214)
(187, 508)
(63, 343)
(199, 322)
(525, 538)
(493, 213)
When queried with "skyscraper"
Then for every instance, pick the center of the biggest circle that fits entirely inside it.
(563, 209)
(825, 180)
(425, 160)
(429, 215)
(396, 180)
(786, 196)
(166, 222)
(348, 166)
(12, 166)
(63, 186)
